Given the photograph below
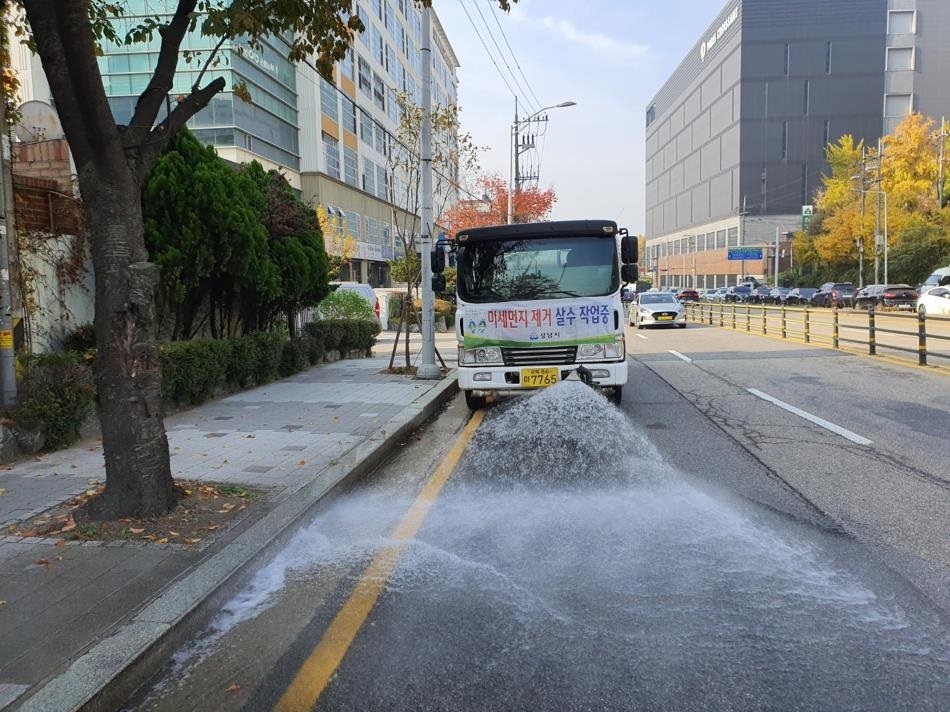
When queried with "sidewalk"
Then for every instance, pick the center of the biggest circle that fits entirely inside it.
(73, 618)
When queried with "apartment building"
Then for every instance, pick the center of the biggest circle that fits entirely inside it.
(330, 139)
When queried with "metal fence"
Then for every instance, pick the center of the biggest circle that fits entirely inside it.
(876, 332)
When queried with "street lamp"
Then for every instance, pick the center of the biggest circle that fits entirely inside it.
(514, 177)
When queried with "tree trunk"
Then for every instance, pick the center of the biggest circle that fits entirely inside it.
(128, 373)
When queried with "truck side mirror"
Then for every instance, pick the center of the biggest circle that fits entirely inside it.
(629, 273)
(628, 249)
(437, 257)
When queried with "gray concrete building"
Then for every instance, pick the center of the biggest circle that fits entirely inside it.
(735, 137)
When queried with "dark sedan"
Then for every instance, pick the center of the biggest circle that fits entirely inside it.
(800, 296)
(777, 295)
(737, 294)
(887, 296)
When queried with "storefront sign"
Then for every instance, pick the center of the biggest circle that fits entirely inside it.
(710, 41)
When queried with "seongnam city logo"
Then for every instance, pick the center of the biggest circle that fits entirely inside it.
(708, 43)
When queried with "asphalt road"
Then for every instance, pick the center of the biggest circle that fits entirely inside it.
(701, 548)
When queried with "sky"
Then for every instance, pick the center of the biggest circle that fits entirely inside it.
(609, 56)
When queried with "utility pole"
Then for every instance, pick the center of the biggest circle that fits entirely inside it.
(940, 157)
(777, 234)
(427, 367)
(7, 233)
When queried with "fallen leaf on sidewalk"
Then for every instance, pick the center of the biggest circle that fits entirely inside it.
(3, 603)
(302, 462)
(42, 562)
(233, 687)
(60, 543)
(2, 491)
(136, 530)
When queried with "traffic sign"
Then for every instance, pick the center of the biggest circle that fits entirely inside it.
(745, 253)
(807, 211)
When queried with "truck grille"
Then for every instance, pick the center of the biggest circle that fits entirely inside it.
(538, 356)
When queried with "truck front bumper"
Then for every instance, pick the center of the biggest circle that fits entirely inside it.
(494, 381)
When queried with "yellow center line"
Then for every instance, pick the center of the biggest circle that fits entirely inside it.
(315, 673)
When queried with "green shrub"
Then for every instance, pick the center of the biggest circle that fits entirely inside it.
(56, 395)
(193, 370)
(329, 332)
(269, 346)
(313, 347)
(345, 304)
(242, 362)
(293, 358)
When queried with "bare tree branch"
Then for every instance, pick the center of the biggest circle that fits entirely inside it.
(150, 100)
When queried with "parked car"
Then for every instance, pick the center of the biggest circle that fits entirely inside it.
(759, 295)
(934, 302)
(939, 278)
(834, 294)
(737, 294)
(800, 296)
(657, 309)
(777, 295)
(364, 290)
(688, 295)
(899, 296)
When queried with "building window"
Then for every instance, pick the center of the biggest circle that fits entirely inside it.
(350, 165)
(331, 154)
(329, 103)
(720, 239)
(900, 59)
(826, 135)
(369, 176)
(805, 98)
(787, 57)
(353, 224)
(382, 183)
(348, 117)
(379, 92)
(828, 57)
(784, 140)
(365, 83)
(897, 105)
(651, 114)
(366, 127)
(733, 237)
(347, 66)
(902, 22)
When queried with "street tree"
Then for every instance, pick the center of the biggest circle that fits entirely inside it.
(296, 253)
(339, 244)
(528, 205)
(453, 153)
(112, 162)
(203, 229)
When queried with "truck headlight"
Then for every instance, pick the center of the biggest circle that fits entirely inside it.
(588, 351)
(482, 355)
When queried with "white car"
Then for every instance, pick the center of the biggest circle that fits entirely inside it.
(657, 309)
(935, 302)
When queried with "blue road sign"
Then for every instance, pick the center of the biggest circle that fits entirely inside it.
(745, 253)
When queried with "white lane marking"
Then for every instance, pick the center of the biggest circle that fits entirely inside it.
(827, 425)
(687, 359)
(640, 336)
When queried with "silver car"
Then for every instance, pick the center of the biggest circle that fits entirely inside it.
(657, 309)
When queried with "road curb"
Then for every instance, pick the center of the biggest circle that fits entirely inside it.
(108, 673)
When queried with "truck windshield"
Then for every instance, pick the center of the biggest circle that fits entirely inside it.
(518, 270)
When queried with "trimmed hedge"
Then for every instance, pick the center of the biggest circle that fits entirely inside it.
(57, 390)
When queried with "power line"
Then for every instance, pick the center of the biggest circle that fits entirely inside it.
(501, 55)
(488, 51)
(495, 12)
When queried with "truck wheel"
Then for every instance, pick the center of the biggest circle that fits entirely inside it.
(474, 402)
(616, 395)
